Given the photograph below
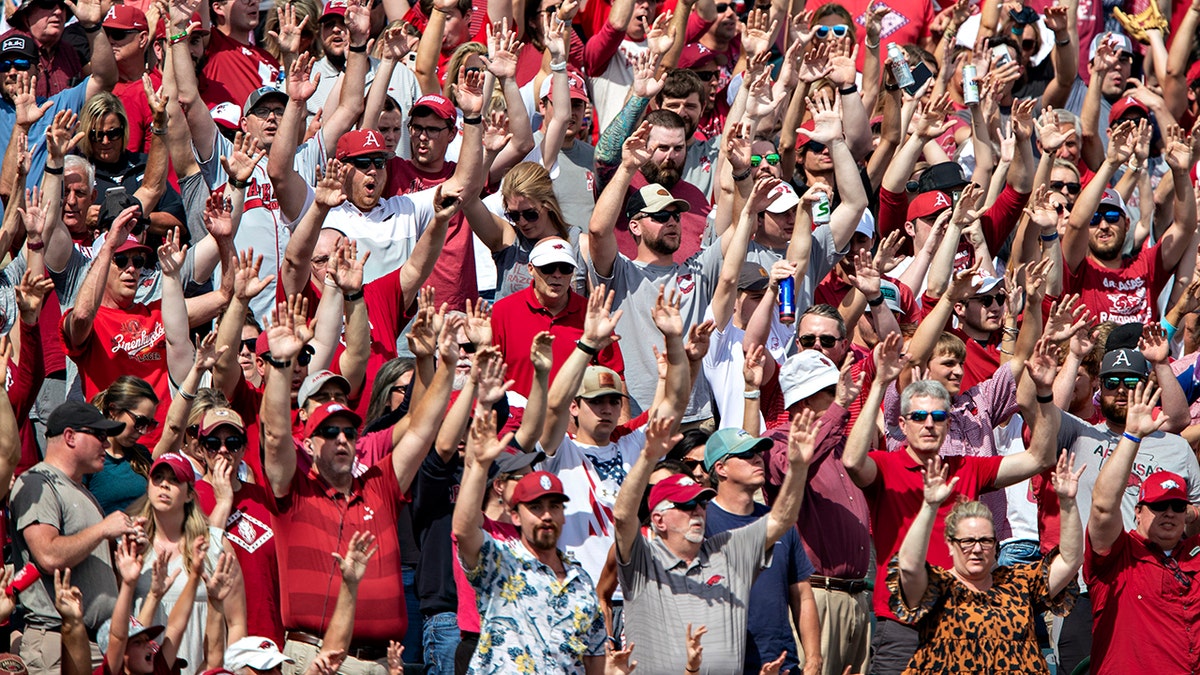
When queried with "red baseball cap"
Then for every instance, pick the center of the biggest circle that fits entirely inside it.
(334, 8)
(179, 465)
(1163, 486)
(361, 142)
(132, 244)
(1124, 105)
(196, 18)
(695, 54)
(801, 137)
(575, 86)
(435, 104)
(928, 204)
(534, 486)
(327, 410)
(1193, 73)
(126, 17)
(678, 489)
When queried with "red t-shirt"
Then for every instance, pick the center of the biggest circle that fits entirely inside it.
(691, 224)
(517, 318)
(453, 276)
(234, 70)
(130, 341)
(982, 359)
(998, 221)
(1143, 619)
(137, 109)
(251, 531)
(1128, 294)
(896, 497)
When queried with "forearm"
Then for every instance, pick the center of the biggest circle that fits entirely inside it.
(327, 326)
(177, 416)
(914, 550)
(340, 631)
(87, 301)
(103, 63)
(467, 522)
(229, 335)
(1174, 402)
(862, 435)
(808, 623)
(1070, 532)
(353, 362)
(76, 652)
(679, 380)
(898, 172)
(180, 352)
(608, 148)
(786, 508)
(430, 45)
(154, 181)
(455, 422)
(279, 449)
(534, 418)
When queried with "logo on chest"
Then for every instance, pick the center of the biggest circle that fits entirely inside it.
(137, 342)
(247, 531)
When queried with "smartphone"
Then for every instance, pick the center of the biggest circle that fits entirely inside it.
(1000, 55)
(115, 200)
(920, 75)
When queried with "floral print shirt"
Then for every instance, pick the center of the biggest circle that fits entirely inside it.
(531, 621)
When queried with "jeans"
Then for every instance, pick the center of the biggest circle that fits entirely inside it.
(413, 637)
(441, 641)
(1019, 551)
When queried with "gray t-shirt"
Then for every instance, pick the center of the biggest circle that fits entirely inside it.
(636, 285)
(663, 594)
(821, 260)
(1075, 104)
(574, 179)
(402, 87)
(700, 162)
(44, 495)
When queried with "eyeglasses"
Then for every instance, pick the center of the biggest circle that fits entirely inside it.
(1176, 506)
(18, 64)
(118, 34)
(530, 215)
(1028, 45)
(938, 416)
(98, 435)
(265, 113)
(689, 505)
(558, 267)
(365, 163)
(1111, 383)
(1110, 216)
(839, 30)
(141, 422)
(967, 544)
(230, 443)
(418, 130)
(827, 341)
(330, 432)
(111, 135)
(771, 158)
(987, 300)
(1071, 186)
(662, 216)
(123, 260)
(250, 344)
(707, 75)
(814, 146)
(723, 7)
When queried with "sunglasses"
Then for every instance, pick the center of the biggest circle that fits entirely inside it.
(1176, 506)
(967, 544)
(689, 505)
(771, 158)
(250, 344)
(987, 300)
(1028, 45)
(111, 135)
(305, 356)
(693, 464)
(938, 416)
(1072, 187)
(98, 435)
(723, 7)
(827, 341)
(814, 146)
(662, 216)
(365, 163)
(141, 422)
(1110, 217)
(745, 455)
(530, 215)
(230, 443)
(330, 432)
(18, 64)
(707, 75)
(558, 267)
(123, 260)
(118, 34)
(265, 113)
(840, 30)
(1111, 383)
(397, 389)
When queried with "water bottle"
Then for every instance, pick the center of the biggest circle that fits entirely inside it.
(900, 69)
(787, 300)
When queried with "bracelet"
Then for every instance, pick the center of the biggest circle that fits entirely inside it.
(276, 363)
(351, 297)
(186, 396)
(35, 245)
(53, 171)
(94, 28)
(891, 87)
(868, 45)
(1062, 43)
(1050, 237)
(560, 67)
(739, 177)
(178, 37)
(1008, 330)
(361, 49)
(478, 119)
(852, 89)
(158, 131)
(586, 348)
(1131, 437)
(238, 184)
(1048, 398)
(752, 395)
(876, 302)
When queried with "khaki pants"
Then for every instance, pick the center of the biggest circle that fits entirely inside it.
(41, 650)
(302, 653)
(845, 630)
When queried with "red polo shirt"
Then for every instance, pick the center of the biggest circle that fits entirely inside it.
(1144, 619)
(897, 495)
(313, 521)
(519, 317)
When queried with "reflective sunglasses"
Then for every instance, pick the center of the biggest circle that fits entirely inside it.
(938, 416)
(1176, 506)
(662, 216)
(689, 505)
(987, 300)
(771, 158)
(840, 30)
(330, 432)
(1111, 383)
(18, 64)
(1110, 216)
(111, 135)
(230, 443)
(141, 422)
(365, 163)
(827, 341)
(530, 215)
(1072, 187)
(966, 544)
(559, 267)
(122, 260)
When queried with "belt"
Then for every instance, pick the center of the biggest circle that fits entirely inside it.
(851, 586)
(361, 651)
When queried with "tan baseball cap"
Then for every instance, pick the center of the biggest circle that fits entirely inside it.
(600, 381)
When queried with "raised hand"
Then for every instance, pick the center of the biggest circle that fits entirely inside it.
(938, 484)
(1048, 132)
(328, 662)
(359, 551)
(929, 119)
(635, 151)
(889, 358)
(842, 58)
(346, 268)
(1139, 412)
(756, 37)
(848, 386)
(802, 438)
(1122, 141)
(1065, 478)
(226, 576)
(554, 36)
(1041, 210)
(964, 284)
(875, 16)
(290, 331)
(1154, 344)
(246, 284)
(826, 117)
(1022, 120)
(246, 154)
(299, 87)
(128, 561)
(87, 12)
(422, 336)
(394, 44)
(479, 322)
(600, 322)
(469, 92)
(660, 437)
(695, 651)
(698, 338)
(30, 294)
(1043, 363)
(666, 314)
(772, 667)
(815, 64)
(760, 194)
(659, 38)
(541, 352)
(290, 31)
(160, 578)
(737, 148)
(25, 100)
(491, 385)
(395, 658)
(61, 136)
(330, 191)
(1178, 150)
(482, 445)
(645, 84)
(358, 22)
(866, 278)
(171, 255)
(616, 661)
(752, 367)
(447, 342)
(156, 101)
(1067, 317)
(496, 135)
(68, 599)
(501, 60)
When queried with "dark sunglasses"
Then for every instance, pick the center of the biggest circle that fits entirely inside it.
(987, 300)
(745, 455)
(1176, 506)
(230, 443)
(839, 30)
(18, 64)
(110, 135)
(723, 7)
(707, 75)
(122, 260)
(264, 113)
(1111, 383)
(330, 432)
(689, 505)
(922, 415)
(814, 146)
(530, 215)
(827, 341)
(98, 435)
(141, 422)
(662, 216)
(559, 267)
(305, 356)
(1072, 187)
(1028, 45)
(693, 464)
(1110, 216)
(118, 34)
(771, 158)
(365, 163)
(250, 344)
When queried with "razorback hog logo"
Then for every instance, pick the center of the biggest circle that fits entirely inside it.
(1168, 484)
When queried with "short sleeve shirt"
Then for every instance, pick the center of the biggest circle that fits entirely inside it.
(130, 341)
(234, 70)
(1125, 295)
(389, 231)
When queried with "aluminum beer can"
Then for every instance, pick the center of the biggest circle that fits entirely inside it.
(970, 83)
(821, 210)
(787, 300)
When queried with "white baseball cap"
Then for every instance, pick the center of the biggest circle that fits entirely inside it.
(259, 653)
(552, 250)
(783, 199)
(805, 374)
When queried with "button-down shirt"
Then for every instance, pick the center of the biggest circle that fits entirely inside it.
(532, 621)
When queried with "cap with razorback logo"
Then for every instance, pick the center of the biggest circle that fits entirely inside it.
(552, 250)
(929, 204)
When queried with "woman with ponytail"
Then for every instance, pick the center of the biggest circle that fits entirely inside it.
(122, 481)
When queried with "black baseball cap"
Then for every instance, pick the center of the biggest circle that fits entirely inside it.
(80, 415)
(943, 176)
(17, 45)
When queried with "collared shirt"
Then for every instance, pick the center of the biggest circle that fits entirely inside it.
(1137, 585)
(663, 593)
(532, 621)
(519, 317)
(389, 231)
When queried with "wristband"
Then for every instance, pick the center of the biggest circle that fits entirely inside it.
(743, 176)
(852, 89)
(178, 37)
(186, 396)
(1048, 398)
(351, 297)
(876, 302)
(1049, 237)
(94, 28)
(1131, 437)
(158, 131)
(1063, 43)
(361, 49)
(752, 395)
(558, 67)
(869, 45)
(238, 184)
(53, 171)
(276, 363)
(586, 348)
(478, 119)
(35, 245)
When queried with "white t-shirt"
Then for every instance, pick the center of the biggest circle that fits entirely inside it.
(1022, 506)
(610, 88)
(389, 231)
(723, 367)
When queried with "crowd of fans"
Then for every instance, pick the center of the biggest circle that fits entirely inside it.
(580, 336)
